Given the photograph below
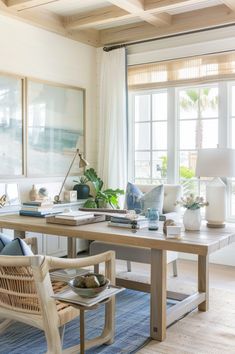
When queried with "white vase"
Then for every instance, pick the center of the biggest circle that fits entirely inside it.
(192, 219)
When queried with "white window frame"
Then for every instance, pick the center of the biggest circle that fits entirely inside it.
(131, 131)
(224, 128)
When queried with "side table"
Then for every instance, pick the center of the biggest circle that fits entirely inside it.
(86, 304)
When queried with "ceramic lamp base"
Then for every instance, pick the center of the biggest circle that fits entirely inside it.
(216, 197)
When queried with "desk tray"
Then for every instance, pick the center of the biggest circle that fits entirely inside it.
(91, 220)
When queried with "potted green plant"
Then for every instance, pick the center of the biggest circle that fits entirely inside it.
(83, 190)
(102, 197)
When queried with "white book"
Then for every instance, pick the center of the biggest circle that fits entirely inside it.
(68, 274)
(70, 296)
(75, 215)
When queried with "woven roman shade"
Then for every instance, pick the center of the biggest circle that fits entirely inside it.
(206, 68)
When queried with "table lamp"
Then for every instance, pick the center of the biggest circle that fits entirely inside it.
(218, 162)
(82, 163)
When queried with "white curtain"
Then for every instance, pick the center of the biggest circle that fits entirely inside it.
(112, 132)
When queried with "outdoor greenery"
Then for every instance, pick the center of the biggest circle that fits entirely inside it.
(102, 197)
(185, 172)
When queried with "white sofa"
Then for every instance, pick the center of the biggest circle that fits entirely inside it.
(142, 255)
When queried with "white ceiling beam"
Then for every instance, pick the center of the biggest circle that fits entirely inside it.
(20, 5)
(156, 20)
(96, 17)
(46, 20)
(131, 6)
(181, 23)
(136, 7)
(230, 4)
(2, 3)
(165, 5)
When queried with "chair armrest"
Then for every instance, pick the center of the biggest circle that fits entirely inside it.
(107, 257)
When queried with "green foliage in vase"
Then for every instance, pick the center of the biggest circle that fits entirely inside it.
(192, 202)
(108, 196)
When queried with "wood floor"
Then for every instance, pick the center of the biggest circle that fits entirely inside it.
(211, 332)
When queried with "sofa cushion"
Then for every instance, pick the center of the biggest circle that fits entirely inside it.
(172, 192)
(16, 247)
(153, 199)
(133, 197)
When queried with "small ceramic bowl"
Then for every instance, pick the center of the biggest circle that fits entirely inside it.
(88, 292)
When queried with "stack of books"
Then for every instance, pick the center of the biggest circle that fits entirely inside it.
(37, 208)
(126, 222)
(66, 275)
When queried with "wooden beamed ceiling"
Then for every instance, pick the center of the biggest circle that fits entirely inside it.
(120, 21)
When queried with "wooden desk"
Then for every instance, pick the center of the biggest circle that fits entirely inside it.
(201, 243)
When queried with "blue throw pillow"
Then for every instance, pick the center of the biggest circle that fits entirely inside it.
(16, 247)
(153, 199)
(133, 197)
(4, 240)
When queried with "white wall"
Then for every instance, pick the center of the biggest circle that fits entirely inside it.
(183, 46)
(37, 53)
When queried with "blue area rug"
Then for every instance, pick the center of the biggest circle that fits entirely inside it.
(132, 329)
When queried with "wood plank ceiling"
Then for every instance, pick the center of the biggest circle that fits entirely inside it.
(99, 22)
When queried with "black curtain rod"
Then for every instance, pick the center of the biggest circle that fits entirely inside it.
(109, 49)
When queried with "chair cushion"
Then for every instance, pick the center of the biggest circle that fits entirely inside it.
(153, 199)
(133, 197)
(16, 247)
(4, 240)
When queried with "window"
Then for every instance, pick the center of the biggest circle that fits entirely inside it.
(198, 118)
(199, 106)
(171, 124)
(150, 137)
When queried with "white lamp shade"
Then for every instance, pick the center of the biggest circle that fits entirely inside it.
(219, 162)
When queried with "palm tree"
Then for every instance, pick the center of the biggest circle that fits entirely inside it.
(199, 100)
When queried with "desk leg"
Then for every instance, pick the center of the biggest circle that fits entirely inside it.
(203, 280)
(72, 247)
(158, 295)
(20, 234)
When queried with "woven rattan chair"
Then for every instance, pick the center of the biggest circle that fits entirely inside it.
(25, 296)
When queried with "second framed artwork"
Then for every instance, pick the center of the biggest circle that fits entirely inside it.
(55, 127)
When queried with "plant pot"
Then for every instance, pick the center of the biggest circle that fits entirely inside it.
(192, 219)
(101, 203)
(83, 191)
